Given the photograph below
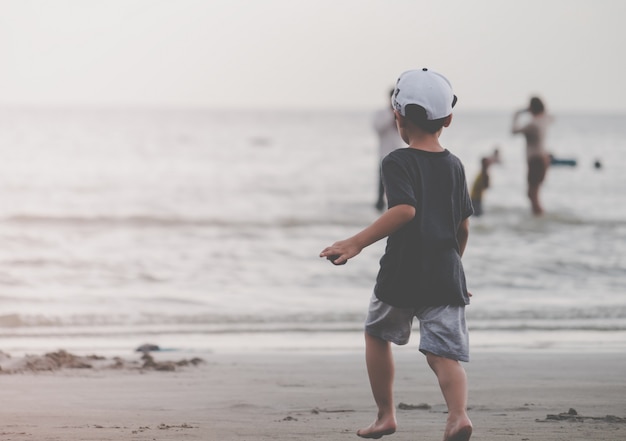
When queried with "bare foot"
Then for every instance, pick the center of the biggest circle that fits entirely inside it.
(377, 429)
(458, 431)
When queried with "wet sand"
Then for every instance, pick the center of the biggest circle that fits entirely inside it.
(303, 396)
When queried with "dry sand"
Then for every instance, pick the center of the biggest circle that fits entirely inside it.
(304, 396)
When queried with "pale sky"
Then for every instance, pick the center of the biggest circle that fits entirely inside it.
(316, 54)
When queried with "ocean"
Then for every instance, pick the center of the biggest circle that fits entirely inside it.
(200, 230)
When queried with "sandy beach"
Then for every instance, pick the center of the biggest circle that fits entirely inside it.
(303, 396)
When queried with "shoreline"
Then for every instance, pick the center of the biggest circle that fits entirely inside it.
(305, 395)
(313, 341)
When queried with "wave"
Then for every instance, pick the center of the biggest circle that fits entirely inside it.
(485, 225)
(518, 219)
(129, 221)
(278, 331)
(600, 319)
(142, 221)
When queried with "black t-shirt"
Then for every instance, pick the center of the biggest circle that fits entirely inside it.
(422, 263)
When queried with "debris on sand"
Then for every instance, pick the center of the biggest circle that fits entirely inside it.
(150, 363)
(572, 415)
(423, 406)
(61, 360)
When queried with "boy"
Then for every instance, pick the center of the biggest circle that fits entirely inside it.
(420, 274)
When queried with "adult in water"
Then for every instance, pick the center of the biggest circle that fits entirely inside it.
(384, 122)
(536, 155)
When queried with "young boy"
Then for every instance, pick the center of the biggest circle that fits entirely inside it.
(420, 274)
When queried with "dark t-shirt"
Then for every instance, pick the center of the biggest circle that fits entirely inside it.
(422, 263)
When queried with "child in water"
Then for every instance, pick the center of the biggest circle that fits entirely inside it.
(481, 182)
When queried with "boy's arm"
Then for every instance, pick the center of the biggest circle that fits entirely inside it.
(462, 234)
(387, 223)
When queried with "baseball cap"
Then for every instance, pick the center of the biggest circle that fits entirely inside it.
(426, 88)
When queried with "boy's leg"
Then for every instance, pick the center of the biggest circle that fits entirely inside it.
(380, 368)
(453, 384)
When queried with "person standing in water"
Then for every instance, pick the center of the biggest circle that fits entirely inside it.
(537, 157)
(384, 122)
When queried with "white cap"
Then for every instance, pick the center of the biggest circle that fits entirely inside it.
(425, 88)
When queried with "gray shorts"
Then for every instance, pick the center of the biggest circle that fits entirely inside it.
(443, 330)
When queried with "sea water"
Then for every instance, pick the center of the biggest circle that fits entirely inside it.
(200, 230)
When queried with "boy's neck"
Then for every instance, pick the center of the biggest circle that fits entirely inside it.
(428, 142)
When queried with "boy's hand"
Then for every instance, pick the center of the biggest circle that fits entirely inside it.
(339, 252)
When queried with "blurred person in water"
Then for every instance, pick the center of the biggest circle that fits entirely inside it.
(384, 122)
(537, 157)
(482, 181)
